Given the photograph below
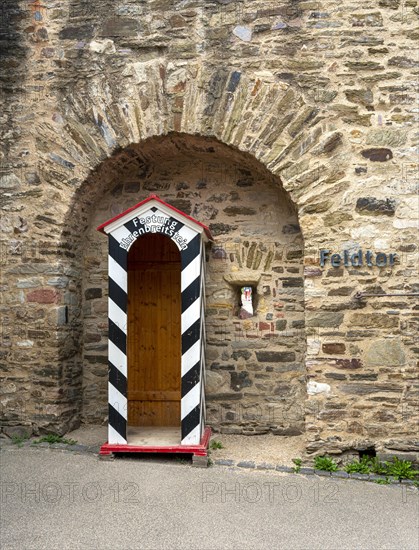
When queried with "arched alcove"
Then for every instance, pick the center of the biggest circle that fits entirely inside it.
(255, 366)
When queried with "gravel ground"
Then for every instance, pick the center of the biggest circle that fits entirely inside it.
(258, 448)
(269, 448)
(89, 434)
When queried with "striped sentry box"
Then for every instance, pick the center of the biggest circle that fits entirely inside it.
(155, 216)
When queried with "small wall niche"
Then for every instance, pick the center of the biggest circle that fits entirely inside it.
(245, 293)
(369, 452)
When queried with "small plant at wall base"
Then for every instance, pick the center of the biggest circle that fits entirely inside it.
(402, 469)
(216, 445)
(362, 466)
(325, 463)
(297, 462)
(377, 467)
(51, 438)
(19, 439)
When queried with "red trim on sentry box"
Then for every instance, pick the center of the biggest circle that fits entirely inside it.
(197, 450)
(158, 199)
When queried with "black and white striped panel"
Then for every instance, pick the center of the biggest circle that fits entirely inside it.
(117, 340)
(203, 338)
(191, 342)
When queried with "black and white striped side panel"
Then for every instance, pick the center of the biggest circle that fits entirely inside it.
(117, 341)
(191, 342)
(192, 391)
(203, 336)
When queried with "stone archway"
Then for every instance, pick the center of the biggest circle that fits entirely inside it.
(255, 367)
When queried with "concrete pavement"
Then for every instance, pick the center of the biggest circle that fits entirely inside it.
(61, 500)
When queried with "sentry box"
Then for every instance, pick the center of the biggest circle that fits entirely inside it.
(156, 331)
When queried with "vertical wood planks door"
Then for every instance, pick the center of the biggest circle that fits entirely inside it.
(154, 332)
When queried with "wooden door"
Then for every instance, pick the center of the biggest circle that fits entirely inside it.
(154, 332)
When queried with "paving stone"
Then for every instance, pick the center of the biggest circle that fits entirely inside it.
(364, 477)
(408, 482)
(265, 466)
(246, 464)
(374, 477)
(224, 462)
(340, 474)
(323, 473)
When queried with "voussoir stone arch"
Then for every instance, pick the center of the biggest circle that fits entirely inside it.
(248, 111)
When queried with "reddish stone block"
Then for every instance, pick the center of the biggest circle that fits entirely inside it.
(334, 347)
(348, 363)
(264, 326)
(43, 296)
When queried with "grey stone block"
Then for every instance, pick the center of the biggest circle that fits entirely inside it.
(265, 466)
(58, 446)
(224, 462)
(308, 471)
(200, 461)
(246, 464)
(77, 447)
(322, 473)
(374, 477)
(393, 480)
(108, 457)
(18, 431)
(341, 474)
(364, 477)
(389, 456)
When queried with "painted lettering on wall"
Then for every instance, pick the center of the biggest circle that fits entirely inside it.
(155, 224)
(357, 259)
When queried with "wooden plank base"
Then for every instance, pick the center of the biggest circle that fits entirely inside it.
(197, 450)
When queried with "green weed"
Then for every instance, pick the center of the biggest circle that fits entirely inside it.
(297, 462)
(325, 463)
(52, 438)
(362, 466)
(377, 467)
(19, 439)
(401, 469)
(381, 481)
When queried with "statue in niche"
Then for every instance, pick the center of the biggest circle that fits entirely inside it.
(246, 309)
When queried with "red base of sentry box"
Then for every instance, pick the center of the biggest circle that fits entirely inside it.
(197, 450)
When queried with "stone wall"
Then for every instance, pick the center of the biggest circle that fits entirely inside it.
(321, 94)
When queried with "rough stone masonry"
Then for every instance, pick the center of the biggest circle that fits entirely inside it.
(289, 127)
